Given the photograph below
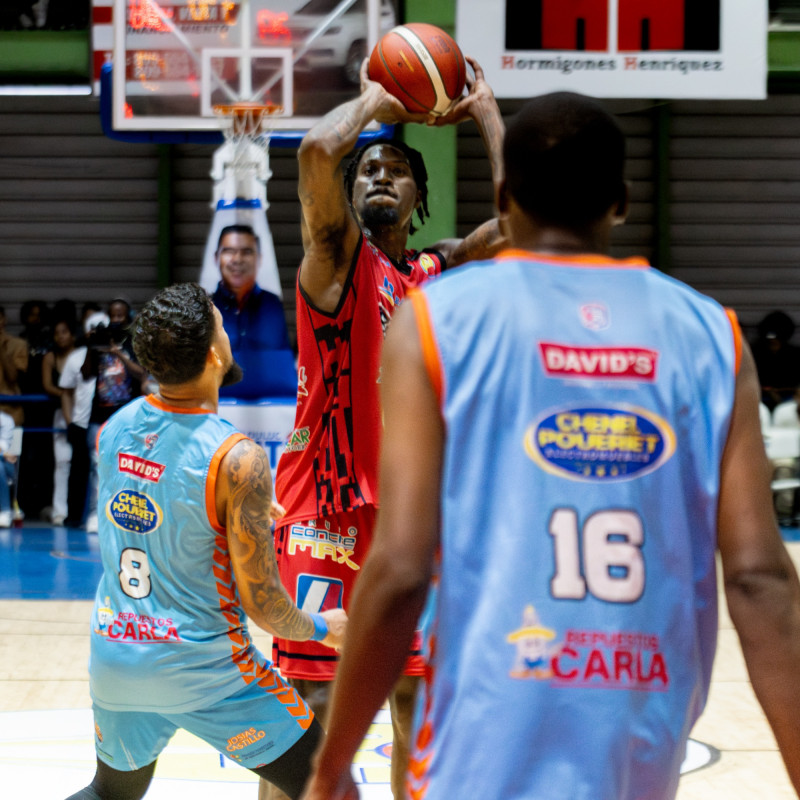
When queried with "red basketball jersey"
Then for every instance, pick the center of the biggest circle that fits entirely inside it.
(330, 463)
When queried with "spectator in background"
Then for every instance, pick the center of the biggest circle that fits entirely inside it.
(89, 309)
(35, 471)
(253, 318)
(66, 311)
(777, 361)
(7, 469)
(110, 360)
(13, 363)
(34, 316)
(76, 405)
(52, 367)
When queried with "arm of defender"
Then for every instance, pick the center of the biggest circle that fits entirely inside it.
(761, 583)
(243, 498)
(391, 590)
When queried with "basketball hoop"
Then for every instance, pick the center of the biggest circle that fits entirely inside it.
(246, 121)
(241, 165)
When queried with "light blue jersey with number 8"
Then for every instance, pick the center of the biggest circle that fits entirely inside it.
(167, 606)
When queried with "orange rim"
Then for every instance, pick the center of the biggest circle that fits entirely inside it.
(241, 110)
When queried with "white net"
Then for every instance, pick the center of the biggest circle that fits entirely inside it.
(241, 165)
(246, 127)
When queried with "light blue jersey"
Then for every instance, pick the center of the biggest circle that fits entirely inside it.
(169, 633)
(586, 404)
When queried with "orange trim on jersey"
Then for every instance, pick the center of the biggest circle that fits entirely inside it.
(211, 479)
(580, 260)
(430, 350)
(737, 337)
(160, 404)
(97, 438)
(241, 650)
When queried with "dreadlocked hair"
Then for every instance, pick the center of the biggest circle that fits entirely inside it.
(415, 161)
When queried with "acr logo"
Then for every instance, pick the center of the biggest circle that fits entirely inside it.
(601, 363)
(140, 467)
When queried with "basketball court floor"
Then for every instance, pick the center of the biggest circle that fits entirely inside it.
(47, 579)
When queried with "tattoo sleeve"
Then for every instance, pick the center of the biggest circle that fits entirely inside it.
(264, 598)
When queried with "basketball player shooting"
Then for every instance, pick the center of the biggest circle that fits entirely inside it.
(575, 614)
(356, 269)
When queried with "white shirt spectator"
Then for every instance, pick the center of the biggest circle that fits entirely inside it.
(764, 417)
(6, 432)
(71, 378)
(785, 415)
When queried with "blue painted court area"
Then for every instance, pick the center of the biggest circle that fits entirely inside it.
(39, 562)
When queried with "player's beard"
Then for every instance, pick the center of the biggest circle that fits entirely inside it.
(379, 216)
(233, 374)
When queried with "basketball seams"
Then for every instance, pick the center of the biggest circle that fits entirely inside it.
(389, 74)
(421, 65)
(430, 66)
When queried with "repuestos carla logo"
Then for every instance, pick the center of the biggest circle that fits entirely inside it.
(600, 444)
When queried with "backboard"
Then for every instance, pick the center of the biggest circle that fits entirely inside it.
(174, 60)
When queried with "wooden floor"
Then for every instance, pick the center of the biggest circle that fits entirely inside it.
(46, 737)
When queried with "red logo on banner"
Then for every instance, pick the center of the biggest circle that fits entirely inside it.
(630, 363)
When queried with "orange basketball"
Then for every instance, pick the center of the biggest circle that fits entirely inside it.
(421, 66)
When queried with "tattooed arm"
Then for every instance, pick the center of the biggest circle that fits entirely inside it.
(243, 498)
(479, 105)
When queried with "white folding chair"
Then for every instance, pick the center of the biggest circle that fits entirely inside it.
(783, 444)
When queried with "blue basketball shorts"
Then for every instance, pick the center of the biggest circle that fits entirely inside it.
(252, 727)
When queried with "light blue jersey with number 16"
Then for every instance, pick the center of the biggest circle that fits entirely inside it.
(586, 404)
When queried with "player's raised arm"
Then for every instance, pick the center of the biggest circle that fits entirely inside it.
(330, 232)
(478, 104)
(244, 494)
(761, 583)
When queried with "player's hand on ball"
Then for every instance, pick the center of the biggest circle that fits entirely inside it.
(390, 110)
(468, 105)
(336, 618)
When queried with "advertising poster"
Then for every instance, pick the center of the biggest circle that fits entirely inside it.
(669, 49)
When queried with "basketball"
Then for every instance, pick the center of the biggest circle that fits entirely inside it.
(421, 66)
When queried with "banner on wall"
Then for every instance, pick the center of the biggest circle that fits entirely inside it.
(666, 49)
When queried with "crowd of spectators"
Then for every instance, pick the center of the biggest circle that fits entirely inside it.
(72, 370)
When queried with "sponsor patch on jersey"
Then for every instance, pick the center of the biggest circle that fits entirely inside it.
(127, 626)
(298, 440)
(628, 363)
(595, 316)
(134, 511)
(427, 264)
(140, 467)
(587, 659)
(245, 739)
(323, 543)
(600, 444)
(316, 593)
